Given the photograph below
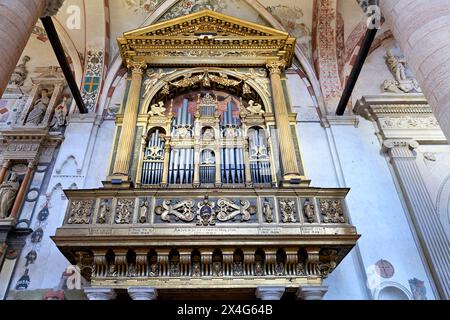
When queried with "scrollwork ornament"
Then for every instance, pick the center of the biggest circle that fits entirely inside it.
(182, 210)
(228, 210)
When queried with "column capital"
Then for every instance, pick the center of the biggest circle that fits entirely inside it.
(408, 144)
(270, 293)
(52, 8)
(6, 163)
(311, 292)
(143, 293)
(136, 67)
(276, 66)
(31, 164)
(100, 293)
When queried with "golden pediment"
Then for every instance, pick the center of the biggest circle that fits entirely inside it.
(206, 38)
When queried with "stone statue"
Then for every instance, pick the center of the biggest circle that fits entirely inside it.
(61, 113)
(254, 108)
(308, 209)
(268, 212)
(20, 73)
(103, 211)
(157, 109)
(40, 107)
(143, 210)
(8, 192)
(397, 65)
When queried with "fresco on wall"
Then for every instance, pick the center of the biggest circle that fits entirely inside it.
(292, 20)
(139, 6)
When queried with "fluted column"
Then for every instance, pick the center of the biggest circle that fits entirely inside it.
(100, 293)
(421, 28)
(270, 293)
(248, 173)
(311, 292)
(431, 233)
(17, 19)
(286, 141)
(4, 170)
(22, 190)
(127, 135)
(143, 293)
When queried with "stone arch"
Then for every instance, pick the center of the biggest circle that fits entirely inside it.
(390, 290)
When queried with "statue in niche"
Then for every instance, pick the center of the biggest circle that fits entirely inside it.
(254, 108)
(8, 192)
(40, 107)
(157, 109)
(308, 209)
(268, 211)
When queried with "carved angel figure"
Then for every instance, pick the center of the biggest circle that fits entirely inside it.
(153, 78)
(40, 107)
(308, 209)
(103, 211)
(157, 109)
(254, 108)
(397, 65)
(8, 192)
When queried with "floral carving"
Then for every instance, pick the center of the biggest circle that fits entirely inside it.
(287, 210)
(228, 210)
(332, 211)
(124, 211)
(80, 211)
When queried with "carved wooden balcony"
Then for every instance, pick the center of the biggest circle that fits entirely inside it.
(183, 239)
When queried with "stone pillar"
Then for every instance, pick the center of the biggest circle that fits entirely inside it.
(22, 190)
(196, 181)
(286, 141)
(421, 29)
(128, 133)
(311, 292)
(17, 19)
(4, 170)
(100, 293)
(143, 293)
(270, 293)
(430, 231)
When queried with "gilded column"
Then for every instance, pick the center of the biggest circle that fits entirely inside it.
(248, 174)
(423, 212)
(127, 135)
(286, 141)
(17, 19)
(4, 170)
(22, 190)
(165, 177)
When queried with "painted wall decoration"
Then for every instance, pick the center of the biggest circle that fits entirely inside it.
(185, 7)
(92, 80)
(40, 33)
(292, 20)
(147, 6)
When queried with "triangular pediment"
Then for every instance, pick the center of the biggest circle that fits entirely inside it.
(206, 21)
(206, 38)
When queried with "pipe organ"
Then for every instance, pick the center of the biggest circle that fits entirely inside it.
(219, 137)
(209, 198)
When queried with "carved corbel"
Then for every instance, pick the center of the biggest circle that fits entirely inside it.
(249, 260)
(100, 263)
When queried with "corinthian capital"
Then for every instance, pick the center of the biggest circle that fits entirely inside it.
(136, 66)
(276, 67)
(52, 7)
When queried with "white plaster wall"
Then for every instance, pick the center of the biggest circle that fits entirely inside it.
(375, 207)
